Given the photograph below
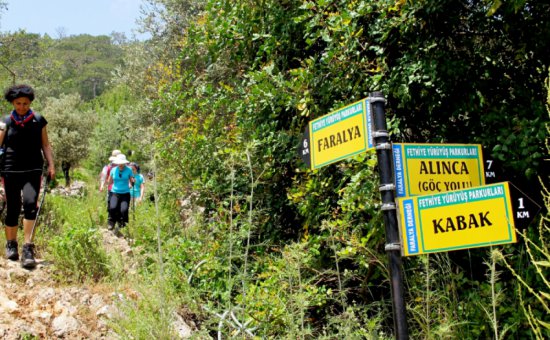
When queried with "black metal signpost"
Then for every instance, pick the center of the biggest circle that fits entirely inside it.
(387, 190)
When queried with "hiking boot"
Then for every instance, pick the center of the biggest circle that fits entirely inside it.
(11, 250)
(117, 232)
(110, 225)
(28, 260)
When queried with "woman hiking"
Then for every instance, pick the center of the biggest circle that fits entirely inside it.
(122, 178)
(25, 139)
(104, 176)
(138, 189)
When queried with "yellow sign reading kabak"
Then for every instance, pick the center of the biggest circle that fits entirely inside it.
(421, 169)
(341, 134)
(470, 218)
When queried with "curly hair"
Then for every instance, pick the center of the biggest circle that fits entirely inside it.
(18, 91)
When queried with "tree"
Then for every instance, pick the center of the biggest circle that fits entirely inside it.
(74, 64)
(69, 130)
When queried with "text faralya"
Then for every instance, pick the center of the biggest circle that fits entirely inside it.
(338, 138)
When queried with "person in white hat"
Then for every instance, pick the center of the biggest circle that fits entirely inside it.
(105, 171)
(121, 177)
(105, 174)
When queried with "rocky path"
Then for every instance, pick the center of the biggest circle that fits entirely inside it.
(33, 305)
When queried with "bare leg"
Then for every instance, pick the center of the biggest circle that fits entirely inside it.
(11, 243)
(27, 228)
(11, 233)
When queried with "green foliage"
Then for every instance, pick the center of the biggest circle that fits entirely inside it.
(119, 121)
(76, 246)
(430, 54)
(533, 284)
(232, 109)
(216, 103)
(76, 64)
(69, 231)
(78, 255)
(150, 315)
(68, 128)
(26, 336)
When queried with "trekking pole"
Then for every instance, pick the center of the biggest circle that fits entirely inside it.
(40, 206)
(133, 209)
(133, 198)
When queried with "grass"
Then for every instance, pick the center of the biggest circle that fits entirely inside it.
(211, 267)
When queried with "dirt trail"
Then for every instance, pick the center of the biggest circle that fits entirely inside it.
(32, 304)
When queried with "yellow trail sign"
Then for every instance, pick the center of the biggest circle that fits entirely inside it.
(340, 134)
(470, 218)
(421, 169)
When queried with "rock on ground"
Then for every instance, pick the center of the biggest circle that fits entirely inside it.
(33, 305)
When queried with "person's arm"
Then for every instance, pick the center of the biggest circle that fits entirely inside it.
(141, 187)
(132, 179)
(142, 190)
(104, 183)
(3, 130)
(109, 180)
(47, 149)
(102, 179)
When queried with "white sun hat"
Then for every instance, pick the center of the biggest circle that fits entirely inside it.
(114, 154)
(120, 159)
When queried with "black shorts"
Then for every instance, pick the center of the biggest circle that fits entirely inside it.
(21, 188)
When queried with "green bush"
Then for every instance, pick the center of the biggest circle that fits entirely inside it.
(150, 315)
(78, 255)
(73, 240)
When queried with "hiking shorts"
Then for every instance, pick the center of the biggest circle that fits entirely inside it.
(21, 188)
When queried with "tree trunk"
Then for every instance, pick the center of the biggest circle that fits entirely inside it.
(66, 166)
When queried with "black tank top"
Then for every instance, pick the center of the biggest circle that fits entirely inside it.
(23, 145)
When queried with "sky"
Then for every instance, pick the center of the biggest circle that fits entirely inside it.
(74, 17)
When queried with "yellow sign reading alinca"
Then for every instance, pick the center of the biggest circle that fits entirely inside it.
(422, 169)
(341, 134)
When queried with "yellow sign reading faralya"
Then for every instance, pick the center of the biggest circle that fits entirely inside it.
(341, 134)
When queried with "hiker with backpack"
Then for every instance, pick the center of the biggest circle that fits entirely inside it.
(104, 175)
(25, 143)
(122, 178)
(106, 168)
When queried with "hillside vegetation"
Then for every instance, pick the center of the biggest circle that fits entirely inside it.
(240, 237)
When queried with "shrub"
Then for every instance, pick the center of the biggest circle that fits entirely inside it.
(78, 255)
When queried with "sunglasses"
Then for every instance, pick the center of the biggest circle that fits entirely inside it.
(23, 90)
